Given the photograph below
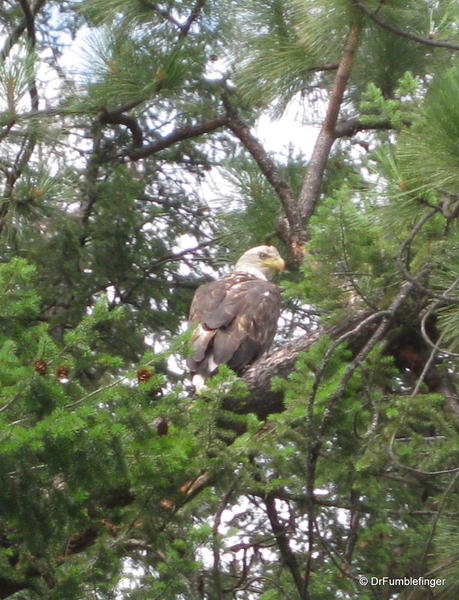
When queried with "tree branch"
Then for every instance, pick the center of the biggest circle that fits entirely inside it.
(353, 526)
(266, 165)
(163, 13)
(18, 31)
(361, 356)
(405, 34)
(29, 20)
(177, 135)
(129, 121)
(30, 26)
(21, 162)
(25, 153)
(185, 28)
(263, 399)
(349, 127)
(315, 171)
(288, 556)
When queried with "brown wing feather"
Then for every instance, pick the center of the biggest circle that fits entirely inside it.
(237, 318)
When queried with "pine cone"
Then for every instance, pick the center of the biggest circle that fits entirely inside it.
(40, 366)
(161, 425)
(144, 375)
(62, 372)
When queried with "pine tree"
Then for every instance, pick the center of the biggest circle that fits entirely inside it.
(334, 457)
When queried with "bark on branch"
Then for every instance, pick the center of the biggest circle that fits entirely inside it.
(266, 165)
(327, 135)
(128, 121)
(349, 127)
(178, 135)
(263, 400)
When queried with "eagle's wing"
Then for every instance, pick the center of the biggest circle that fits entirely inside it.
(237, 318)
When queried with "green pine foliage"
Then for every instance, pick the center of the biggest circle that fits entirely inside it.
(66, 449)
(287, 47)
(433, 138)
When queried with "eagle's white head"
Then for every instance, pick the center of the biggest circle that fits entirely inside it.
(262, 261)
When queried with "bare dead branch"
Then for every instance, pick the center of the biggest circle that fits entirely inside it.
(418, 472)
(263, 399)
(396, 303)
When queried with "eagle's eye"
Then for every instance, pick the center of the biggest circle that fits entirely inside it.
(263, 255)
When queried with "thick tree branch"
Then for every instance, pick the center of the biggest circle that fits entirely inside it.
(405, 34)
(263, 399)
(315, 171)
(29, 20)
(266, 165)
(92, 173)
(360, 330)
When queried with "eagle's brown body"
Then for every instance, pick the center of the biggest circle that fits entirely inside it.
(236, 319)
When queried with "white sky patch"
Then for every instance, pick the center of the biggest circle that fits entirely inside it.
(175, 364)
(287, 134)
(73, 58)
(133, 572)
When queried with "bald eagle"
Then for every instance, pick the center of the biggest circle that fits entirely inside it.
(235, 316)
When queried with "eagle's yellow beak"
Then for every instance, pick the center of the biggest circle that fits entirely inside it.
(275, 263)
